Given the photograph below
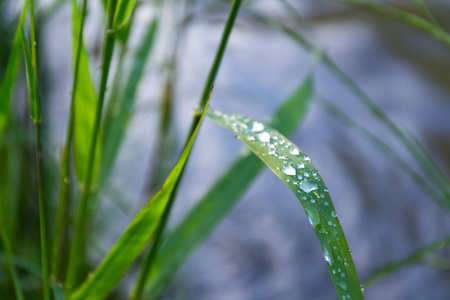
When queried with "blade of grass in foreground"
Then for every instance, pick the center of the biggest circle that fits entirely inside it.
(136, 236)
(6, 89)
(221, 197)
(415, 257)
(36, 116)
(403, 16)
(295, 169)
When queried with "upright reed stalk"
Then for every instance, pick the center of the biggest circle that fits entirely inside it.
(36, 116)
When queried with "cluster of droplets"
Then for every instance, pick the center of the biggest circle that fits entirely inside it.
(305, 181)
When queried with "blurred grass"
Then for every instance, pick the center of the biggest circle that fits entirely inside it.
(110, 131)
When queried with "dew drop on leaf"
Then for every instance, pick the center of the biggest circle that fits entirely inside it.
(307, 186)
(264, 137)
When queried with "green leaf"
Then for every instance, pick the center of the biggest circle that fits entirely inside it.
(123, 12)
(295, 169)
(136, 236)
(85, 106)
(10, 77)
(221, 197)
(33, 98)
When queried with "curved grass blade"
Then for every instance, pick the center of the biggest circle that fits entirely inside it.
(415, 257)
(221, 197)
(403, 16)
(135, 237)
(10, 76)
(299, 174)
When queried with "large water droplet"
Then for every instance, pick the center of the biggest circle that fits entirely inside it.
(308, 186)
(289, 170)
(264, 137)
(313, 216)
(301, 165)
(294, 151)
(333, 214)
(257, 126)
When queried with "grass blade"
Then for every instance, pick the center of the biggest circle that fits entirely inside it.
(135, 237)
(10, 77)
(403, 16)
(295, 169)
(36, 116)
(415, 257)
(221, 197)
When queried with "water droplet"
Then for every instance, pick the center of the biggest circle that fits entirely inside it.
(257, 126)
(66, 180)
(333, 214)
(250, 138)
(327, 256)
(307, 159)
(313, 216)
(289, 170)
(342, 285)
(301, 165)
(264, 137)
(294, 151)
(308, 186)
(330, 223)
(362, 288)
(271, 152)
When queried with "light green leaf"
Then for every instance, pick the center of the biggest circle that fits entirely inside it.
(295, 169)
(10, 77)
(85, 106)
(221, 197)
(135, 237)
(123, 12)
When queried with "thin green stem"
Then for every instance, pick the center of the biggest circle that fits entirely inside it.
(86, 190)
(64, 188)
(415, 257)
(42, 217)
